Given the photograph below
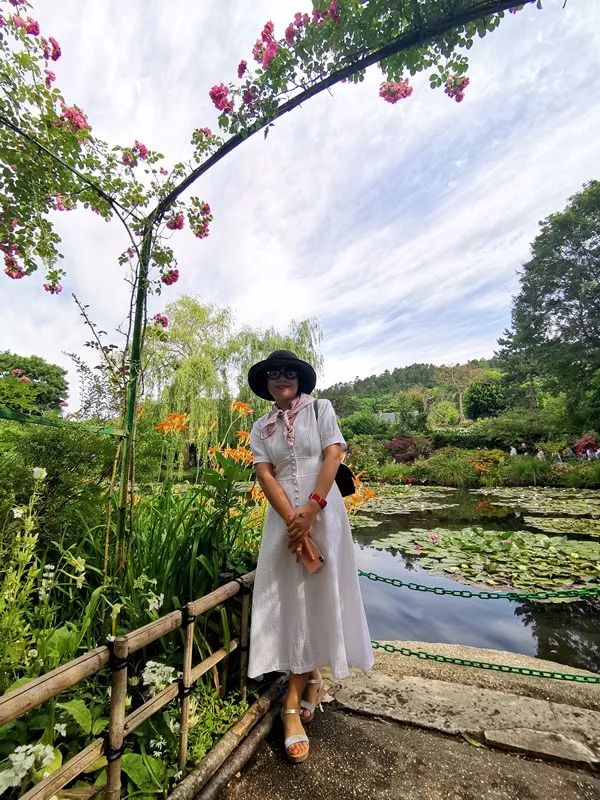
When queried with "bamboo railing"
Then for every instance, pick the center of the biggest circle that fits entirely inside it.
(27, 697)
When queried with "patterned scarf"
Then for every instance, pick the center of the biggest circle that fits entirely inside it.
(270, 426)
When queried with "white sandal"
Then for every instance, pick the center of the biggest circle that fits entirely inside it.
(295, 739)
(310, 707)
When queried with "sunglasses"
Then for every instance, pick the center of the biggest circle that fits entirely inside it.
(282, 372)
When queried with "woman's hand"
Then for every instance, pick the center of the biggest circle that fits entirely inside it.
(299, 527)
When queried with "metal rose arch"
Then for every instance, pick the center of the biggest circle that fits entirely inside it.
(51, 160)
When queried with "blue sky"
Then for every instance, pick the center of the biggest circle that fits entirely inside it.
(400, 227)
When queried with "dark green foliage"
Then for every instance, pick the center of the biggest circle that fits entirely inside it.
(47, 387)
(555, 331)
(484, 399)
(78, 463)
(342, 394)
(364, 423)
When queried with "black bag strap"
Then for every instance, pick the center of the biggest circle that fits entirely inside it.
(316, 409)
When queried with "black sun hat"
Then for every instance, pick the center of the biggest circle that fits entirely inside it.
(257, 374)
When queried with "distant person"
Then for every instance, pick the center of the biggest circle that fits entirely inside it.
(571, 453)
(590, 453)
(193, 455)
(523, 448)
(540, 454)
(513, 451)
(557, 457)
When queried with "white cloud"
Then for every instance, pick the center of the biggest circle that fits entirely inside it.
(400, 227)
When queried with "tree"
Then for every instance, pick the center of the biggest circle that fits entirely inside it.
(32, 383)
(556, 314)
(459, 377)
(484, 398)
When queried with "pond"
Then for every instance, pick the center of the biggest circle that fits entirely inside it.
(492, 540)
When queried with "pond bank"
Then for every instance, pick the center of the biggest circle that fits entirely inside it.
(381, 754)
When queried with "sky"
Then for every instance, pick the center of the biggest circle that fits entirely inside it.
(400, 227)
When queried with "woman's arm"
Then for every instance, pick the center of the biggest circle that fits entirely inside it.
(301, 524)
(265, 475)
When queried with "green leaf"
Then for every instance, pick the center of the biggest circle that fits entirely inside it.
(146, 772)
(80, 713)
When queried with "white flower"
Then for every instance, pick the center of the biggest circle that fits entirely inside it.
(178, 775)
(33, 653)
(61, 728)
(110, 638)
(158, 745)
(79, 580)
(50, 569)
(79, 564)
(157, 676)
(18, 512)
(155, 601)
(39, 473)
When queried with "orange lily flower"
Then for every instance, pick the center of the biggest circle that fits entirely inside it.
(242, 408)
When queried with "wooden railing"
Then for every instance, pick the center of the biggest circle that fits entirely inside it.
(27, 697)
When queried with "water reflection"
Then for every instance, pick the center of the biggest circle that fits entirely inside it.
(568, 633)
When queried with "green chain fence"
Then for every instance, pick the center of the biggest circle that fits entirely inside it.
(466, 662)
(543, 595)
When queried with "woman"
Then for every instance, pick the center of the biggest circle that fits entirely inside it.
(301, 621)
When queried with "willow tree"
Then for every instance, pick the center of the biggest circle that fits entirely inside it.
(52, 161)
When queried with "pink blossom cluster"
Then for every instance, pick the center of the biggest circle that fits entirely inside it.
(176, 223)
(140, 150)
(50, 77)
(392, 91)
(219, 96)
(267, 32)
(207, 132)
(17, 3)
(128, 158)
(18, 373)
(164, 171)
(74, 117)
(12, 268)
(290, 33)
(300, 20)
(249, 96)
(53, 288)
(51, 48)
(161, 319)
(170, 277)
(30, 25)
(63, 404)
(59, 203)
(242, 67)
(201, 223)
(455, 87)
(269, 54)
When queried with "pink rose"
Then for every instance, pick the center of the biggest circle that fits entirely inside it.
(242, 66)
(269, 54)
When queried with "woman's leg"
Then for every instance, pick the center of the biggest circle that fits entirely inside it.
(311, 691)
(292, 723)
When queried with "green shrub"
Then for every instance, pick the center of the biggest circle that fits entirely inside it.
(396, 473)
(79, 464)
(525, 471)
(448, 467)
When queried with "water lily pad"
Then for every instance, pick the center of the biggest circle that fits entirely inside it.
(566, 525)
(519, 559)
(361, 521)
(550, 501)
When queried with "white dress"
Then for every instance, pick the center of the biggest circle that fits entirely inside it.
(302, 621)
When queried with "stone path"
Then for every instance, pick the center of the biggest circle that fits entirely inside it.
(424, 731)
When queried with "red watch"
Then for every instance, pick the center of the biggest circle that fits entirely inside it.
(320, 500)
